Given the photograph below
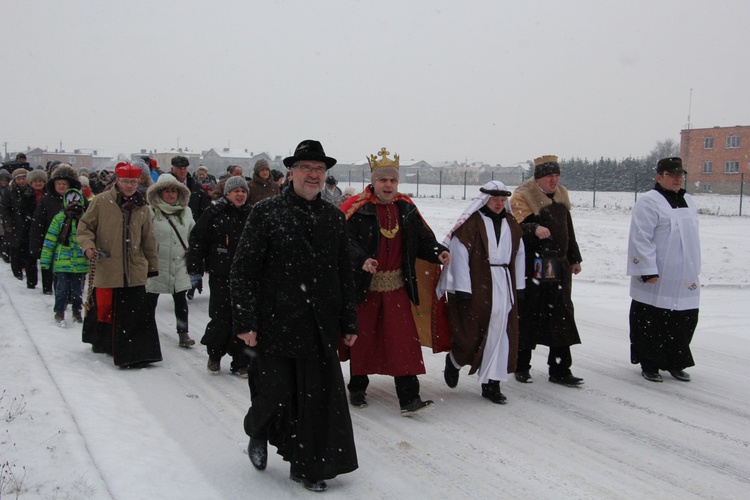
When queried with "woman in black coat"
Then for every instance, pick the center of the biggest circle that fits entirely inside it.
(63, 177)
(213, 243)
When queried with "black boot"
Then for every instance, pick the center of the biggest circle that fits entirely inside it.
(257, 450)
(492, 392)
(451, 372)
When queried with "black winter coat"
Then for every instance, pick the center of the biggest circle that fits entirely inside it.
(364, 234)
(199, 200)
(12, 216)
(50, 205)
(291, 279)
(214, 239)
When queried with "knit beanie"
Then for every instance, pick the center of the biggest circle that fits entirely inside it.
(261, 165)
(233, 183)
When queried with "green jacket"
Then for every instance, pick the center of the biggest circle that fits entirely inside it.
(62, 258)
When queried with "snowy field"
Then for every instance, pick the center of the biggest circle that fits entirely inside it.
(73, 426)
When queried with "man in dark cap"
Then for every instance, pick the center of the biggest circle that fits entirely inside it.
(292, 301)
(664, 261)
(542, 207)
(331, 193)
(199, 200)
(19, 162)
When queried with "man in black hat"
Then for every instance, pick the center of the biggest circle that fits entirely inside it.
(292, 301)
(542, 207)
(331, 193)
(664, 261)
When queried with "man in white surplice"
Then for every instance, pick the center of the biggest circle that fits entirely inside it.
(481, 282)
(664, 261)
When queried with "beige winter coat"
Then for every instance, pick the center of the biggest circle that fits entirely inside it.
(126, 239)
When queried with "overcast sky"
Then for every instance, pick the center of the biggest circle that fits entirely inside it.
(497, 81)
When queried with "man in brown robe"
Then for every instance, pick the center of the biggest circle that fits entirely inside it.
(542, 207)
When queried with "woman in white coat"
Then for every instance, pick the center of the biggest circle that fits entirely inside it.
(172, 221)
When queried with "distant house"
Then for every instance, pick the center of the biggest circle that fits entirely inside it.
(77, 158)
(217, 160)
(715, 158)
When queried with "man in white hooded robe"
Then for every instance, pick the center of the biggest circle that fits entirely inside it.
(481, 282)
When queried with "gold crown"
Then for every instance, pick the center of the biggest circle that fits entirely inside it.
(384, 162)
(545, 159)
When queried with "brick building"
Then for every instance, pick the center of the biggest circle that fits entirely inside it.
(715, 158)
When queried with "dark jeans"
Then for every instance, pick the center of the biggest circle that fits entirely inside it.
(407, 387)
(559, 360)
(180, 308)
(69, 285)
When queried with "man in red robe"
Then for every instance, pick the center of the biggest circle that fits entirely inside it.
(387, 235)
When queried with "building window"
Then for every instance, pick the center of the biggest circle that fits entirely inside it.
(708, 143)
(72, 160)
(708, 167)
(706, 188)
(731, 167)
(733, 141)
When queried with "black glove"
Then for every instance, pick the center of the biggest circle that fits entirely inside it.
(153, 274)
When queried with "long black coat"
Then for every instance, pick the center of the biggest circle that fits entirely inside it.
(419, 242)
(292, 278)
(547, 311)
(214, 239)
(13, 217)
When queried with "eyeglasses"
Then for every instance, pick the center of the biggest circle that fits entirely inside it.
(307, 169)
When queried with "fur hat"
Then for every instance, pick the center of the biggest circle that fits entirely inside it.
(36, 175)
(261, 165)
(309, 150)
(180, 161)
(235, 182)
(350, 191)
(84, 181)
(546, 165)
(6, 175)
(19, 172)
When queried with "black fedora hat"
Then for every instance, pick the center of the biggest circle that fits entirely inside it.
(309, 150)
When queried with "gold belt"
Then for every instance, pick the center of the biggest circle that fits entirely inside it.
(387, 281)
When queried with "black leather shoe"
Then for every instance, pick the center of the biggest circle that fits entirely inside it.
(357, 399)
(415, 406)
(652, 376)
(310, 484)
(523, 377)
(492, 392)
(257, 450)
(451, 372)
(680, 375)
(568, 380)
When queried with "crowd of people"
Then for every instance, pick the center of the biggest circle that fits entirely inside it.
(303, 275)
